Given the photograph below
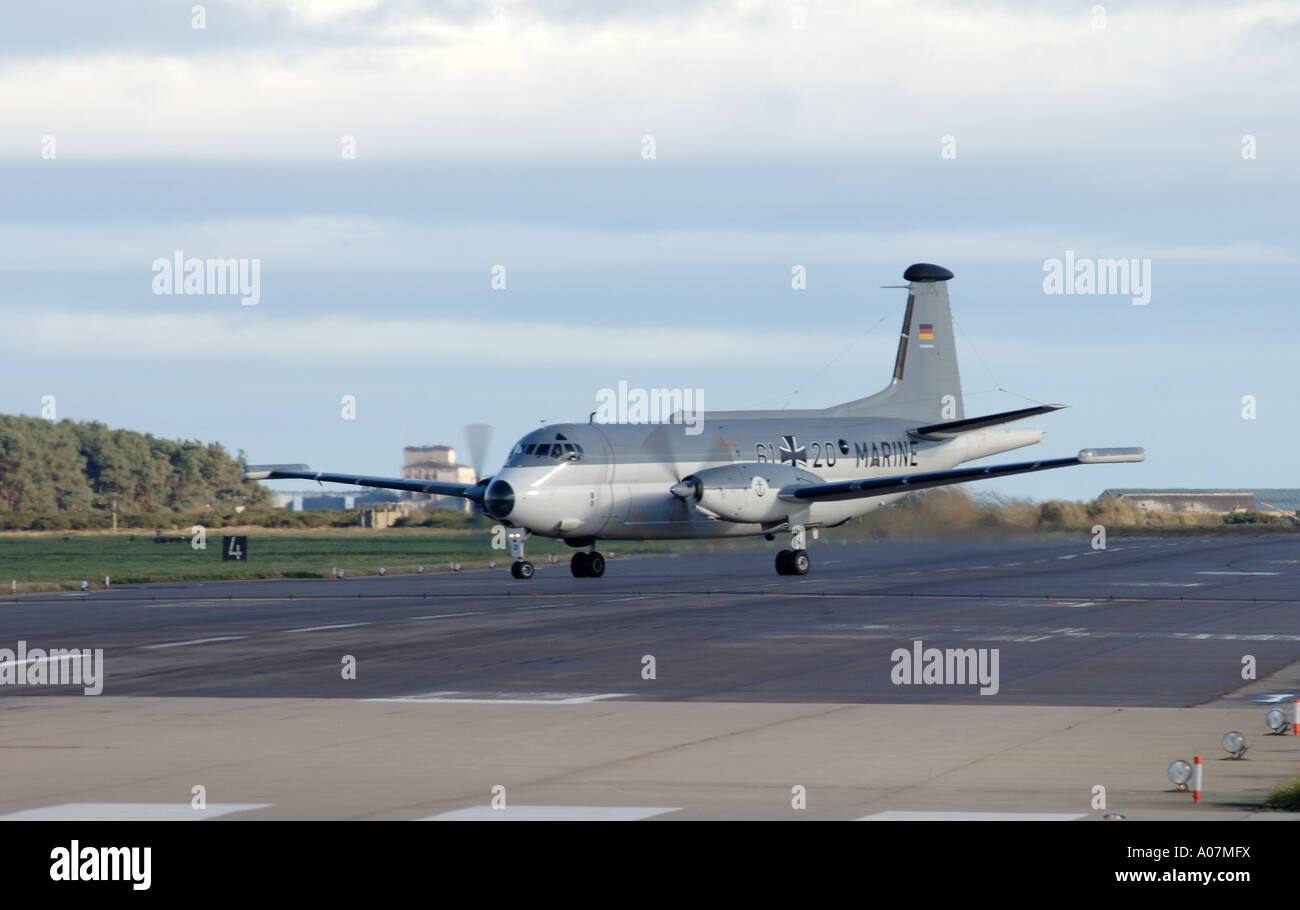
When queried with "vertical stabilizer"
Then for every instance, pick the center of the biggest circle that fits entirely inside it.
(926, 385)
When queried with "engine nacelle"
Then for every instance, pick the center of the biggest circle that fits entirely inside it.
(743, 492)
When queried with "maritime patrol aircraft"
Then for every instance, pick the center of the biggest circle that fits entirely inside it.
(742, 473)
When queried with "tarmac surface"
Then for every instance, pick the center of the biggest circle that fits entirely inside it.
(771, 697)
(1148, 622)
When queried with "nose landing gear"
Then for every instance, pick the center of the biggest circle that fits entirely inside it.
(521, 568)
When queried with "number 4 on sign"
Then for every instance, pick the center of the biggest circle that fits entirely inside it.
(234, 548)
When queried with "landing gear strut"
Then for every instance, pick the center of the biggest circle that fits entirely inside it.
(795, 560)
(521, 568)
(587, 565)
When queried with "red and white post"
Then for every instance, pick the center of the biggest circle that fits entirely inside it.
(108, 583)
(1196, 780)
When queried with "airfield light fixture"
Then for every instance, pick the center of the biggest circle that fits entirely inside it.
(1234, 744)
(1180, 772)
(1276, 719)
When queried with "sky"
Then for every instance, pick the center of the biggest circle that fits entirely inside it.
(647, 177)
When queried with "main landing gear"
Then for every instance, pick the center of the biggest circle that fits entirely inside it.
(795, 560)
(587, 565)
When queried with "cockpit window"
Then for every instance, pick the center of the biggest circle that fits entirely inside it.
(556, 450)
(528, 450)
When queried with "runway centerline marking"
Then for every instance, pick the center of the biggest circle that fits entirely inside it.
(193, 641)
(141, 812)
(899, 815)
(342, 625)
(1238, 573)
(551, 813)
(452, 698)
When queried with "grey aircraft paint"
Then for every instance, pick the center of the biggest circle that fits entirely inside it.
(737, 473)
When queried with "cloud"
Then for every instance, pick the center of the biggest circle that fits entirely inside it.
(362, 244)
(248, 337)
(733, 78)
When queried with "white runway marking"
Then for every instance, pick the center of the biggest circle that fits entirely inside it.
(445, 615)
(128, 812)
(75, 655)
(1156, 584)
(551, 814)
(895, 815)
(193, 641)
(547, 606)
(452, 698)
(342, 625)
(1238, 573)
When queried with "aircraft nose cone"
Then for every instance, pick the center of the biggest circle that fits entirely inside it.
(499, 499)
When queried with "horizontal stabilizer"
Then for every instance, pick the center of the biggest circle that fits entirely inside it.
(952, 428)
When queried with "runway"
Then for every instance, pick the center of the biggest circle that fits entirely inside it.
(1145, 622)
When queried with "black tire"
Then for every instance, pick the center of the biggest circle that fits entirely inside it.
(783, 564)
(595, 565)
(578, 565)
(522, 569)
(799, 562)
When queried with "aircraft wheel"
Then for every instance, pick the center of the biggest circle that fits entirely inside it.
(579, 565)
(595, 565)
(522, 569)
(799, 562)
(783, 562)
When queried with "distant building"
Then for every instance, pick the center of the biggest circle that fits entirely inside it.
(308, 500)
(437, 463)
(1219, 501)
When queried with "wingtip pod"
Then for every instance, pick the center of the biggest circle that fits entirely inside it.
(263, 471)
(1104, 456)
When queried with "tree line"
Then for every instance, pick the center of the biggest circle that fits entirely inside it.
(83, 466)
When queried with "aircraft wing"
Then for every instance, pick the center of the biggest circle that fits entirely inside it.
(302, 472)
(880, 486)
